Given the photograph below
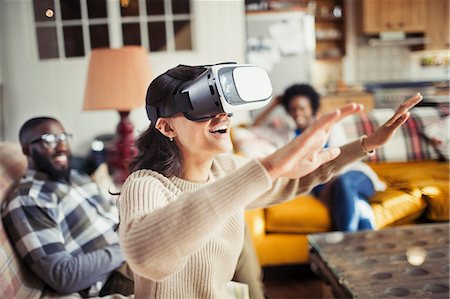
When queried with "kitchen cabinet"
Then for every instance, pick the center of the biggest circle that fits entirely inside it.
(394, 15)
(329, 103)
(438, 25)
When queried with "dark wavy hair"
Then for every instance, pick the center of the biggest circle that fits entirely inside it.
(156, 151)
(301, 90)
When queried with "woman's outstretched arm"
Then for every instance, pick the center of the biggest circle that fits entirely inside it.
(305, 154)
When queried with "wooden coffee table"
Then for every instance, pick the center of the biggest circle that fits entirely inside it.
(408, 261)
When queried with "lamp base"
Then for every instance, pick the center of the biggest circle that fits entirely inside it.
(122, 149)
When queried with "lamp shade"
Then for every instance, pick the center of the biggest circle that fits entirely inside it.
(117, 79)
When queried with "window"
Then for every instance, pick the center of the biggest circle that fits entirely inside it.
(70, 28)
(159, 25)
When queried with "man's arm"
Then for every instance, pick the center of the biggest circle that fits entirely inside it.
(33, 227)
(264, 115)
(67, 274)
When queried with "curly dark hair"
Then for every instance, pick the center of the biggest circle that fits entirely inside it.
(305, 90)
(156, 151)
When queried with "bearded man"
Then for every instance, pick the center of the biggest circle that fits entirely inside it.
(59, 223)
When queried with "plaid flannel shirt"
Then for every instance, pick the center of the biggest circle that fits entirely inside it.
(46, 217)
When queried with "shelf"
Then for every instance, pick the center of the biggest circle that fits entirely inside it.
(330, 59)
(270, 11)
(264, 15)
(328, 19)
(328, 39)
(330, 30)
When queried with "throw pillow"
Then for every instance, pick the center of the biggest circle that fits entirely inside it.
(437, 133)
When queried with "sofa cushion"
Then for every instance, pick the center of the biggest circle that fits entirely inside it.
(397, 206)
(13, 165)
(436, 194)
(431, 178)
(304, 214)
(307, 214)
(406, 174)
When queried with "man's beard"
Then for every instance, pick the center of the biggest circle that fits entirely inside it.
(43, 163)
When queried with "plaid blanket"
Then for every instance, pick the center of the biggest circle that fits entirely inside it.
(408, 144)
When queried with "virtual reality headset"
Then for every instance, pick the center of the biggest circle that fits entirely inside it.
(221, 88)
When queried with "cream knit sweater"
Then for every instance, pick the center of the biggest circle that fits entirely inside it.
(183, 239)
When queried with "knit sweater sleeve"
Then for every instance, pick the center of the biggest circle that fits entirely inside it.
(157, 237)
(285, 189)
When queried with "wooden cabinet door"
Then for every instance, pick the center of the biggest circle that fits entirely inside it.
(438, 24)
(403, 15)
(332, 102)
(415, 18)
(394, 15)
(392, 12)
(371, 16)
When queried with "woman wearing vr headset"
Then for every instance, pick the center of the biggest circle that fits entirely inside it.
(182, 208)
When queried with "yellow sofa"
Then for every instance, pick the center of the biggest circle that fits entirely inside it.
(418, 187)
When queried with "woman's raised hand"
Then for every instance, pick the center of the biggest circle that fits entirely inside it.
(384, 133)
(306, 153)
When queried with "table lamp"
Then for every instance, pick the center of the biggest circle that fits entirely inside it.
(118, 79)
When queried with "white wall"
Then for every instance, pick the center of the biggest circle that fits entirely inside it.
(2, 112)
(351, 33)
(1, 43)
(56, 87)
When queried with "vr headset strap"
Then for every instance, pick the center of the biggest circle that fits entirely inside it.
(181, 103)
(152, 114)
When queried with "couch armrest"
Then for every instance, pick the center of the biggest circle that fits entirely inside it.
(13, 165)
(256, 223)
(275, 249)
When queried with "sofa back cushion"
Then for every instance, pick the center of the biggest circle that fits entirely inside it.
(16, 280)
(410, 143)
(302, 215)
(12, 167)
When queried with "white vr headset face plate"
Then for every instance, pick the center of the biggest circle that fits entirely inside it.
(252, 85)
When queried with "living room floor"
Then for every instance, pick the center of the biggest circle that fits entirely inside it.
(286, 282)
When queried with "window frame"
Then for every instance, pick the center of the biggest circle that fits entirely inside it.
(85, 22)
(113, 21)
(168, 18)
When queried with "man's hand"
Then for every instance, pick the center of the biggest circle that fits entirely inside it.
(264, 115)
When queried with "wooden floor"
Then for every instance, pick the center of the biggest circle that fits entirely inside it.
(294, 282)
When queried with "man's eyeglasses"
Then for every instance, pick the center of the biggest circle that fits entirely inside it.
(50, 141)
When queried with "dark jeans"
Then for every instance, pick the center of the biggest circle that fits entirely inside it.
(349, 197)
(119, 282)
